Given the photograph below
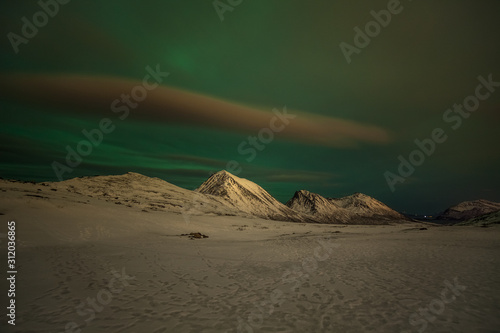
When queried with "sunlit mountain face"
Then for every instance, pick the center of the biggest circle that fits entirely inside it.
(400, 103)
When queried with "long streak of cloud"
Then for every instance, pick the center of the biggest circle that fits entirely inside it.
(94, 94)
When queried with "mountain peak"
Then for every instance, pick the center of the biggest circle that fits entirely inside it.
(223, 173)
(359, 195)
(309, 203)
(304, 193)
(246, 196)
(224, 176)
(355, 208)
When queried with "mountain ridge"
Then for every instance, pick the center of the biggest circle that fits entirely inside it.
(224, 194)
(248, 197)
(356, 208)
(466, 210)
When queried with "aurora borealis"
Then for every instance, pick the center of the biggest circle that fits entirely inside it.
(225, 78)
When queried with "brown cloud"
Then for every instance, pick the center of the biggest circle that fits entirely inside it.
(95, 94)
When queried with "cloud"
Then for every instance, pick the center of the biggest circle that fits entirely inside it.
(252, 171)
(95, 94)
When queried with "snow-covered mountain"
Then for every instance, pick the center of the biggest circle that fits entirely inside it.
(145, 193)
(469, 209)
(354, 209)
(248, 197)
(221, 194)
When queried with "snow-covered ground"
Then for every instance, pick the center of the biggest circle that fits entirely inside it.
(105, 267)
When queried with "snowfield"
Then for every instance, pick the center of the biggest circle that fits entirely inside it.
(91, 258)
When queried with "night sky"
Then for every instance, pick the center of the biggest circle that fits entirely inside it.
(351, 120)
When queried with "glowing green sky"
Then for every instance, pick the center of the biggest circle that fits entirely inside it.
(267, 54)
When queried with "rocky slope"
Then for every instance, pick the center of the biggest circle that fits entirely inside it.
(221, 194)
(483, 220)
(146, 193)
(248, 197)
(354, 209)
(469, 209)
